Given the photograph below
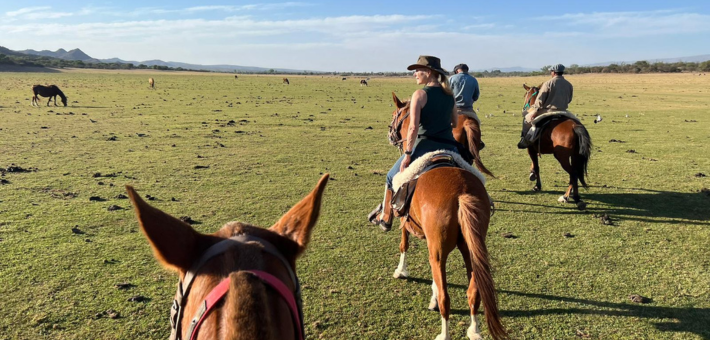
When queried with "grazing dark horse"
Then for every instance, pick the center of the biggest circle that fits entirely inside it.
(450, 208)
(51, 91)
(238, 283)
(569, 142)
(285, 81)
(151, 82)
(344, 78)
(468, 133)
(363, 82)
(235, 77)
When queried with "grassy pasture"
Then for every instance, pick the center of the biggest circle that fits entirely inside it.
(53, 281)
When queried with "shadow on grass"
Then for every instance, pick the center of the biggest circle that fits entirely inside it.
(690, 320)
(644, 205)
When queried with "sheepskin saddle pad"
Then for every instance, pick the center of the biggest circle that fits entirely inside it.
(405, 182)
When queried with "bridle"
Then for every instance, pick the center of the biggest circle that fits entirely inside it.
(394, 135)
(528, 97)
(293, 299)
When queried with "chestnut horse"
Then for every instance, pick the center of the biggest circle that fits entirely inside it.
(568, 141)
(252, 269)
(450, 208)
(51, 91)
(151, 82)
(285, 81)
(468, 133)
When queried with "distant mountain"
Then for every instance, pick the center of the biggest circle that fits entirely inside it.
(75, 54)
(692, 59)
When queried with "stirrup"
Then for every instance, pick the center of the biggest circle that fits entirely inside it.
(372, 216)
(384, 226)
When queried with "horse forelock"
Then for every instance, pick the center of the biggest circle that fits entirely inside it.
(246, 312)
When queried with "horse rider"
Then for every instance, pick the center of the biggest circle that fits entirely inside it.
(555, 95)
(466, 91)
(432, 117)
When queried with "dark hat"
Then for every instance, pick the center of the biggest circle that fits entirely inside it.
(462, 67)
(557, 68)
(430, 62)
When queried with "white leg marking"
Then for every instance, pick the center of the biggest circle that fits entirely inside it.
(444, 330)
(434, 303)
(473, 332)
(562, 199)
(401, 271)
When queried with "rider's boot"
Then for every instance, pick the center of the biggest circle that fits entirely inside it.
(524, 141)
(383, 214)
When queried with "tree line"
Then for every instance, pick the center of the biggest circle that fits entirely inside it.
(637, 67)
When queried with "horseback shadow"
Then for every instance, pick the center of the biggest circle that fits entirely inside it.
(683, 320)
(639, 204)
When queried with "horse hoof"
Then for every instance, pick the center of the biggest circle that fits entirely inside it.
(434, 309)
(536, 188)
(532, 177)
(581, 205)
(400, 274)
(563, 199)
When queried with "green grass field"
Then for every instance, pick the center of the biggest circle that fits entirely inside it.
(266, 144)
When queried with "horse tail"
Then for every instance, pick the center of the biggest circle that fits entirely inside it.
(473, 135)
(584, 144)
(246, 308)
(474, 219)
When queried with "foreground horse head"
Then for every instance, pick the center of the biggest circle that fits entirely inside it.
(250, 268)
(450, 208)
(569, 141)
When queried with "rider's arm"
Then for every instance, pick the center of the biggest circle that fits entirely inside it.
(418, 101)
(476, 92)
(542, 96)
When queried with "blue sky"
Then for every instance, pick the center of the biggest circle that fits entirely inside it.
(363, 35)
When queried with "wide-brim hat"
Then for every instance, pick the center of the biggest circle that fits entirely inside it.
(430, 62)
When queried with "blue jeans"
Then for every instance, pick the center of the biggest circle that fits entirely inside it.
(423, 147)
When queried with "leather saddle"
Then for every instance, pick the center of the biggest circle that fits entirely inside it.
(403, 197)
(535, 132)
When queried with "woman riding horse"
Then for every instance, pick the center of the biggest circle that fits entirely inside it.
(432, 117)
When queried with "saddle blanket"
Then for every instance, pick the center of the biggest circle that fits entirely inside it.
(416, 168)
(565, 114)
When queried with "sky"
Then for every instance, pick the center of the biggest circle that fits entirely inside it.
(362, 36)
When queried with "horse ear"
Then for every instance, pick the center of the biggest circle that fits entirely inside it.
(173, 241)
(526, 87)
(298, 222)
(397, 102)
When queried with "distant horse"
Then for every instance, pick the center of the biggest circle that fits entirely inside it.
(468, 133)
(363, 82)
(238, 283)
(344, 78)
(568, 141)
(285, 81)
(235, 77)
(151, 82)
(450, 208)
(51, 91)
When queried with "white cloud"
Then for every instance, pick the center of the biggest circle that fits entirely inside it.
(635, 24)
(26, 10)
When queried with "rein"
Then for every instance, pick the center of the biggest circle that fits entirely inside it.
(293, 299)
(394, 136)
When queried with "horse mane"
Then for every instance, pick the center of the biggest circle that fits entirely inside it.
(59, 92)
